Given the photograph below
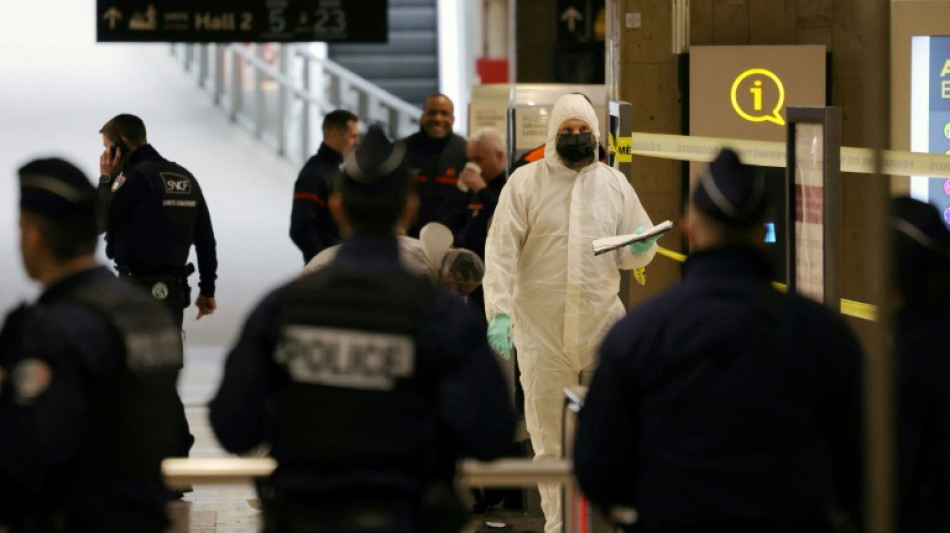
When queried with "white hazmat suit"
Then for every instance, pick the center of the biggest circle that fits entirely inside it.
(542, 273)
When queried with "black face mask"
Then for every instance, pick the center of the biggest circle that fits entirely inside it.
(574, 147)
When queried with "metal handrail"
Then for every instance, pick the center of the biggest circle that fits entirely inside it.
(181, 472)
(283, 105)
(356, 81)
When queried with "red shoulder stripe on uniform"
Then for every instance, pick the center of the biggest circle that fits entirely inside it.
(310, 196)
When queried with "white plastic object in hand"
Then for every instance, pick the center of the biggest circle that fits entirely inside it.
(436, 240)
(474, 168)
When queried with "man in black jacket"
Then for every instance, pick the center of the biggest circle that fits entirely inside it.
(311, 227)
(723, 405)
(435, 157)
(367, 381)
(154, 213)
(88, 407)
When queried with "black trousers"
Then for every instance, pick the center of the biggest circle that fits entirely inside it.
(174, 293)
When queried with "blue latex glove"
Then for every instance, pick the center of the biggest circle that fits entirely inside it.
(499, 336)
(639, 247)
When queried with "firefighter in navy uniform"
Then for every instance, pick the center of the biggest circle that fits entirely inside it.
(435, 158)
(87, 377)
(723, 405)
(311, 227)
(154, 212)
(366, 380)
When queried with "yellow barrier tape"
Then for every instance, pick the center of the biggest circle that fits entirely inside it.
(624, 149)
(772, 154)
(848, 307)
(675, 256)
(859, 310)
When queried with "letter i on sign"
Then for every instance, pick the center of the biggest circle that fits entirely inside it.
(756, 95)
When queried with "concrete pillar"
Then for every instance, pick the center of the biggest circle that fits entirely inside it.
(642, 69)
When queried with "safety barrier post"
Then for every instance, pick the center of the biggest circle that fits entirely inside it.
(813, 202)
(577, 512)
(574, 507)
(872, 18)
(619, 156)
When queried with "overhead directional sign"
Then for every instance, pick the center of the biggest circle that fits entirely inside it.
(216, 21)
(571, 16)
(579, 23)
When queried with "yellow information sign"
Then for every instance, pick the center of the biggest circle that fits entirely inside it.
(759, 109)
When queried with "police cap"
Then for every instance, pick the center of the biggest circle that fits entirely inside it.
(376, 163)
(918, 225)
(921, 249)
(731, 192)
(56, 188)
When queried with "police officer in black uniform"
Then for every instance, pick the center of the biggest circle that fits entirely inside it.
(366, 380)
(921, 254)
(154, 212)
(87, 377)
(723, 405)
(435, 157)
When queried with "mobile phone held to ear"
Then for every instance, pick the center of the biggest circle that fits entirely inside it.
(118, 144)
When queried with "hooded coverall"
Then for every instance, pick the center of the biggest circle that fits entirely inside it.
(541, 271)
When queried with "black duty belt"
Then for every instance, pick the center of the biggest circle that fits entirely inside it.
(178, 271)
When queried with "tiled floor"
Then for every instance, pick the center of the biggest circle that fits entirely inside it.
(212, 508)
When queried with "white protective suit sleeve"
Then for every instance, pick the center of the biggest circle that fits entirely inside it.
(503, 246)
(634, 216)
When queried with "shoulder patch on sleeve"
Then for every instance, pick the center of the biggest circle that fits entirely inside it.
(118, 183)
(30, 378)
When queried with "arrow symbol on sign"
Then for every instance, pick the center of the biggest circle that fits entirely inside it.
(572, 16)
(112, 15)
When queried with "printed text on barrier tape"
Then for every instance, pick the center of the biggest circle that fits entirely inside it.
(624, 149)
(848, 307)
(772, 154)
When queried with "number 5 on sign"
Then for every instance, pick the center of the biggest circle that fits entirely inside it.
(277, 21)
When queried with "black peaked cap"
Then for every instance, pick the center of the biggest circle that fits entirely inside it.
(56, 188)
(731, 192)
(919, 225)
